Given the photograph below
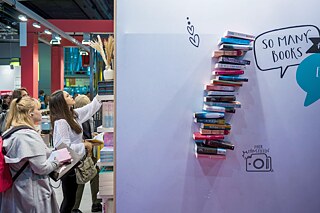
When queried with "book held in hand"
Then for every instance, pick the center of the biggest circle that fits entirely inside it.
(97, 140)
(61, 155)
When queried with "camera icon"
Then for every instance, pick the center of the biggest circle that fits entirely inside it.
(258, 163)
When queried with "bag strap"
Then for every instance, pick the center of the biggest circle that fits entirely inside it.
(7, 135)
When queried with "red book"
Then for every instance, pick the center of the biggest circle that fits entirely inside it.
(199, 136)
(227, 72)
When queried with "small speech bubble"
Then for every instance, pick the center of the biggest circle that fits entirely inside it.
(284, 47)
(308, 78)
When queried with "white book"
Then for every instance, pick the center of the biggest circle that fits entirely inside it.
(234, 34)
(213, 108)
(221, 93)
(229, 66)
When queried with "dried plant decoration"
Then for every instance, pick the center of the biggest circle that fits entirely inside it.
(97, 45)
(109, 47)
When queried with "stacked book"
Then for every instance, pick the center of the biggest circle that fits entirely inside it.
(106, 181)
(105, 87)
(220, 95)
(107, 114)
(106, 154)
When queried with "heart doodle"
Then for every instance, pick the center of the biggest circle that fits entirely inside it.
(190, 29)
(195, 40)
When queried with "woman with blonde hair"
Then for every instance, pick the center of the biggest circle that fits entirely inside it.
(31, 191)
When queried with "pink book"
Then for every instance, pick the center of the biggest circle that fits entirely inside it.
(222, 157)
(62, 155)
(227, 72)
(199, 136)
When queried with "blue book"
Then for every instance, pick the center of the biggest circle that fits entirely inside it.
(224, 40)
(232, 78)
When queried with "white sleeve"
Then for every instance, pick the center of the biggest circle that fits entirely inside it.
(86, 112)
(61, 134)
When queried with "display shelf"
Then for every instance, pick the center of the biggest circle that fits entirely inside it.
(103, 129)
(107, 97)
(100, 164)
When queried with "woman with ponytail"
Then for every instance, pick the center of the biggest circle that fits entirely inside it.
(31, 191)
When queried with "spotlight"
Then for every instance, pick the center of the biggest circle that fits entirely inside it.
(36, 25)
(22, 18)
(46, 31)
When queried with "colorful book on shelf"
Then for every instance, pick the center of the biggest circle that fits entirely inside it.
(216, 144)
(211, 87)
(208, 115)
(234, 34)
(226, 83)
(233, 104)
(213, 108)
(235, 47)
(232, 60)
(225, 40)
(201, 149)
(225, 126)
(231, 78)
(214, 131)
(199, 136)
(223, 93)
(234, 53)
(228, 98)
(206, 156)
(229, 66)
(209, 120)
(227, 72)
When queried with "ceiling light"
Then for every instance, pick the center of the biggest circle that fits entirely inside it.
(86, 38)
(46, 31)
(8, 27)
(22, 18)
(36, 25)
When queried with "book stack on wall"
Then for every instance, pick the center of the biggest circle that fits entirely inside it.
(105, 87)
(221, 96)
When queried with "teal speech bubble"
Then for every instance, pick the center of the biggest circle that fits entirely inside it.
(308, 78)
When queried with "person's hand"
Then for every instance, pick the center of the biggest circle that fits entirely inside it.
(88, 147)
(98, 97)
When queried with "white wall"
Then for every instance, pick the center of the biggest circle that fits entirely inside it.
(159, 80)
(10, 78)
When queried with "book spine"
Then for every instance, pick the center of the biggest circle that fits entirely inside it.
(219, 88)
(208, 115)
(219, 98)
(202, 156)
(214, 132)
(213, 108)
(213, 93)
(216, 126)
(234, 41)
(209, 121)
(235, 47)
(218, 144)
(233, 60)
(239, 35)
(235, 53)
(199, 136)
(232, 78)
(235, 104)
(209, 150)
(226, 83)
(227, 72)
(229, 66)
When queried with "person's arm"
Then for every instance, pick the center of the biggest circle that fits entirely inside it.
(86, 112)
(40, 165)
(61, 134)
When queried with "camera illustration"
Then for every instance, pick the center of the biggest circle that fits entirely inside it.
(258, 163)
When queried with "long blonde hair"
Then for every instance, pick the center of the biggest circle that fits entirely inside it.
(81, 100)
(19, 112)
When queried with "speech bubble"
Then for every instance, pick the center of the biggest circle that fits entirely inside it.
(308, 78)
(284, 47)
